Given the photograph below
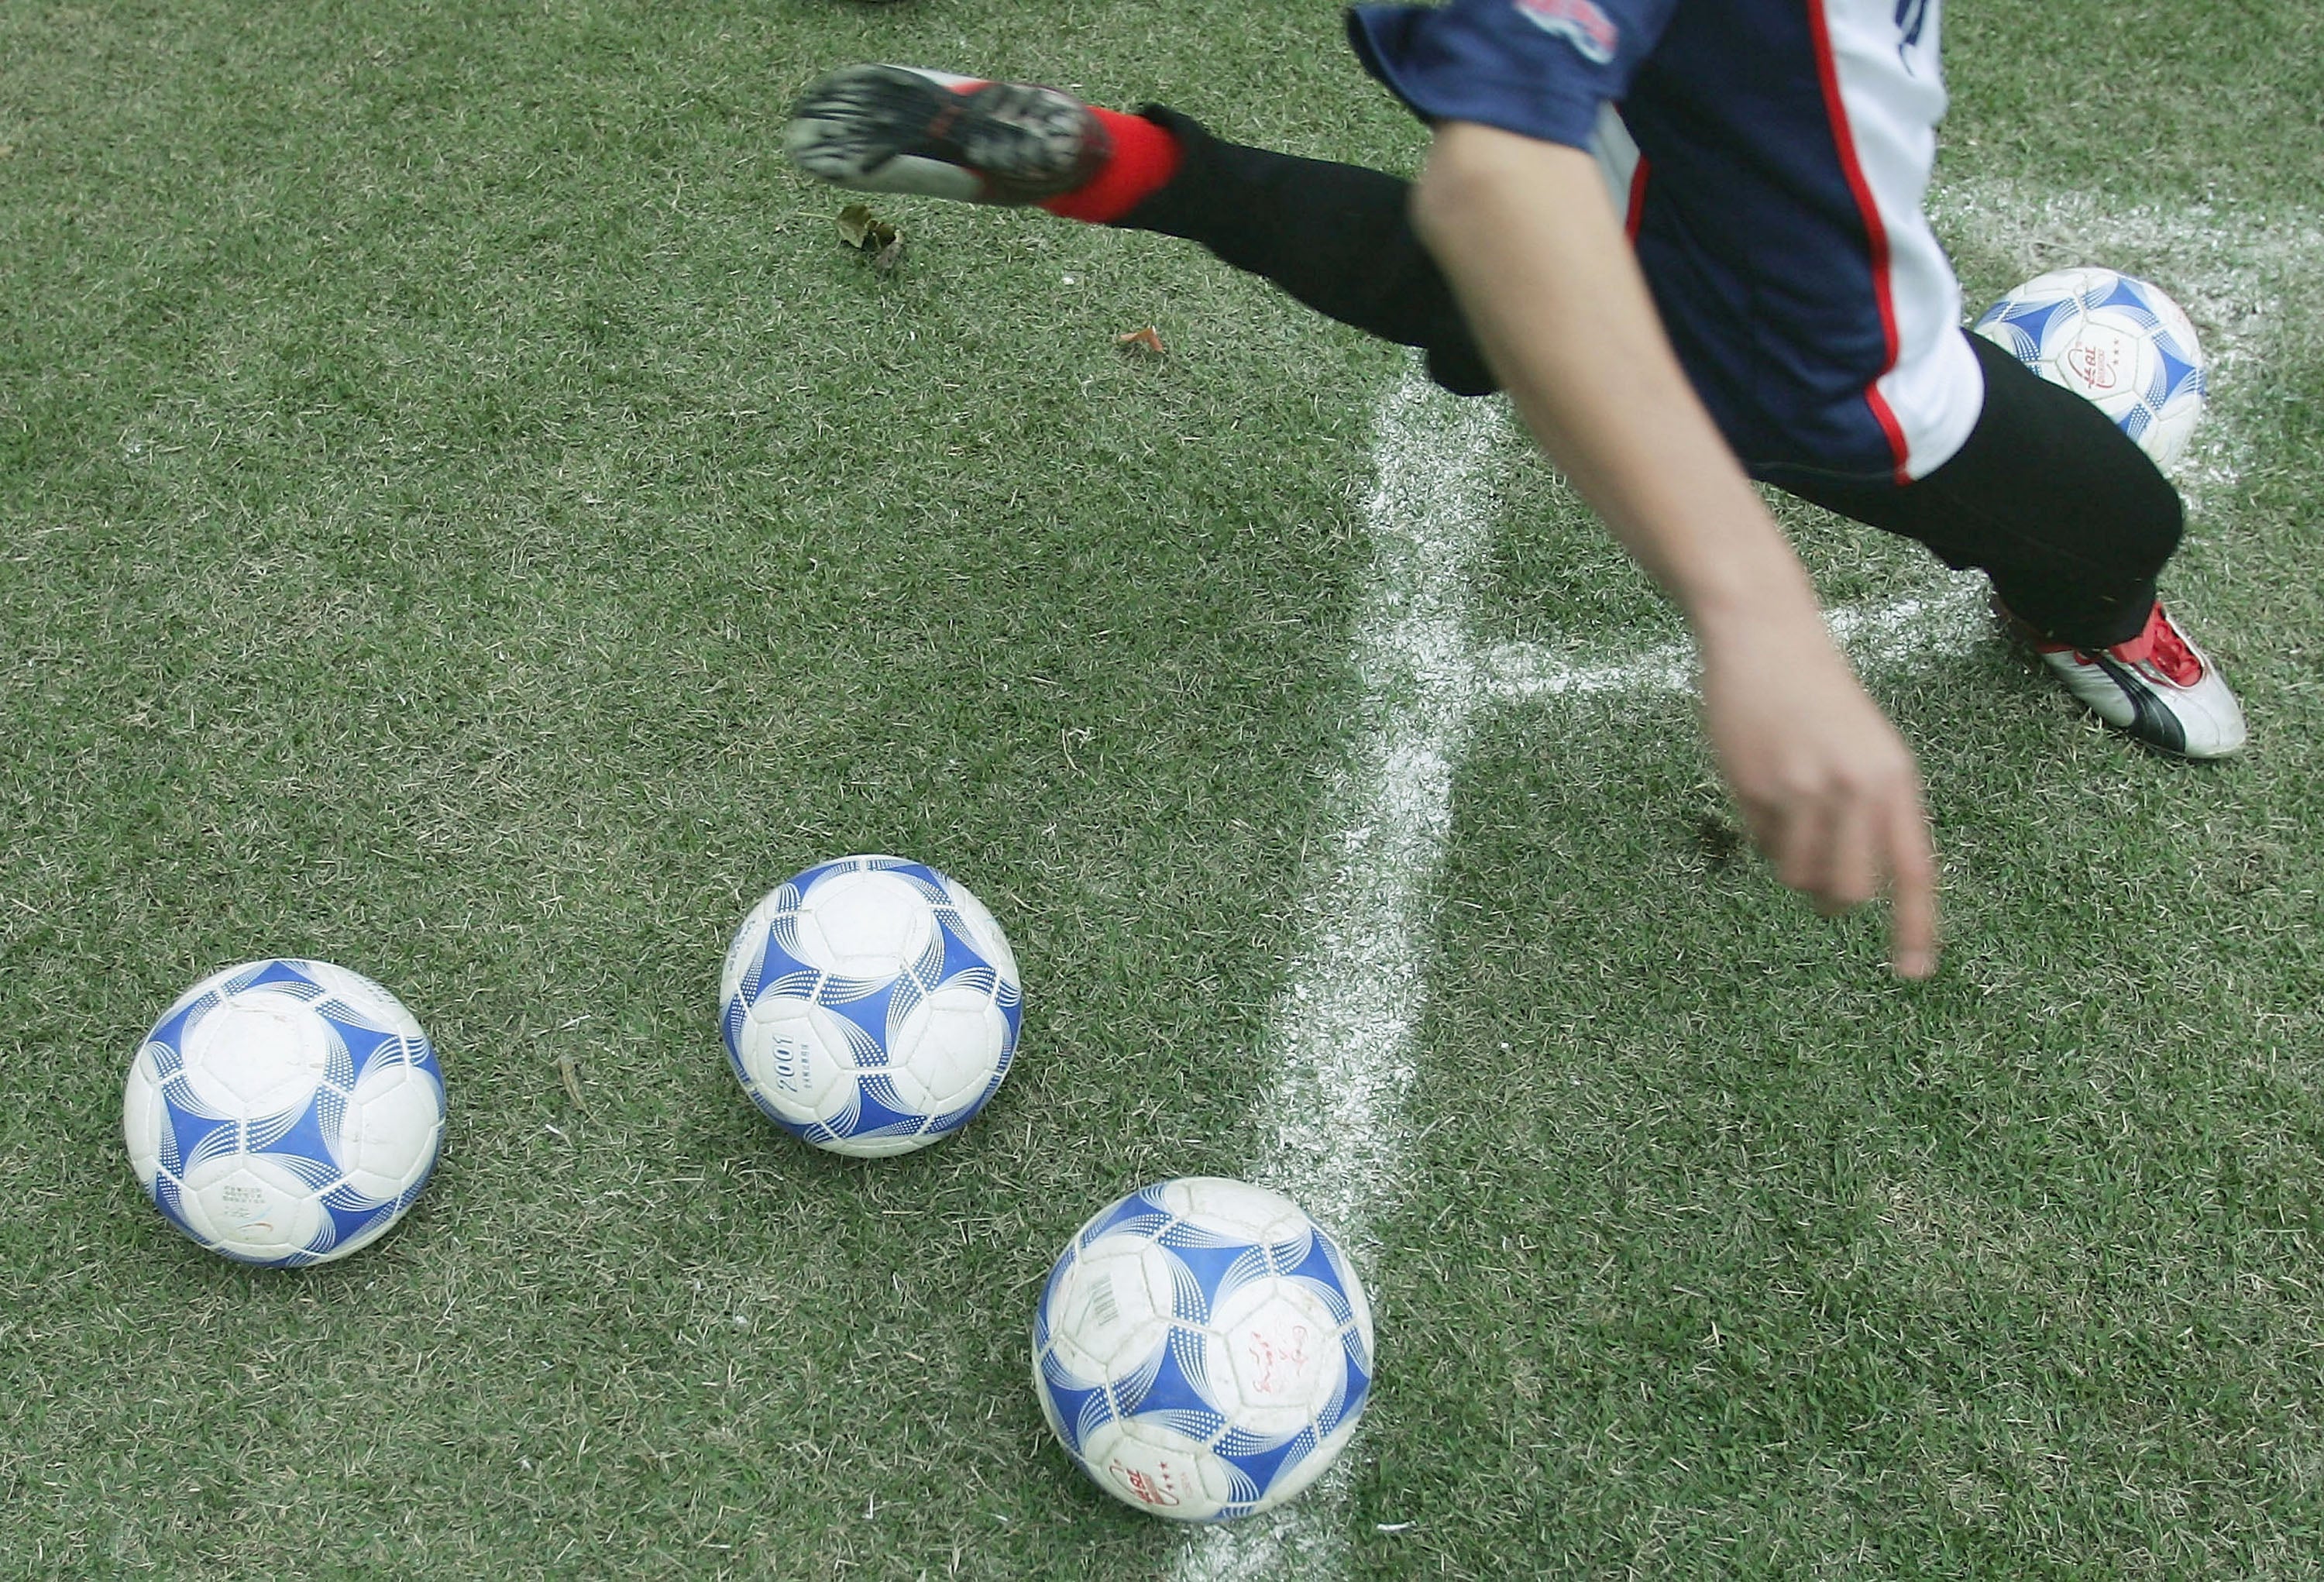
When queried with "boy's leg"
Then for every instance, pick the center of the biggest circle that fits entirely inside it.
(2047, 498)
(2072, 522)
(1335, 237)
(2063, 512)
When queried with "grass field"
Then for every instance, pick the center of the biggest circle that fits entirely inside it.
(463, 514)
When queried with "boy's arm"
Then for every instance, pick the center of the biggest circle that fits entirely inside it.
(1524, 231)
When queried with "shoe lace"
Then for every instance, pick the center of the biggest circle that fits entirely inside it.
(2166, 651)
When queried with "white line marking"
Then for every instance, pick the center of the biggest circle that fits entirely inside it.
(1342, 1037)
(1514, 671)
(1333, 1127)
(1876, 638)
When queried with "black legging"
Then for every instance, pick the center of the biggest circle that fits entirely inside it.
(2061, 509)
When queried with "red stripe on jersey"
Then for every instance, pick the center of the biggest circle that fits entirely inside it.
(1876, 234)
(1637, 210)
(1889, 426)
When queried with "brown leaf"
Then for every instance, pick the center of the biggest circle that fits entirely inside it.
(1141, 343)
(866, 232)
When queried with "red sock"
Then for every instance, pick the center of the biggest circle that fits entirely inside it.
(1145, 158)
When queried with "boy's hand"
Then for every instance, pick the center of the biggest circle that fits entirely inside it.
(1826, 786)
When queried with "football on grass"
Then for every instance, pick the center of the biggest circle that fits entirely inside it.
(2116, 339)
(284, 1112)
(1202, 1349)
(870, 1005)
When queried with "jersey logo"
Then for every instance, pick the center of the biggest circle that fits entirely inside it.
(1912, 17)
(1582, 23)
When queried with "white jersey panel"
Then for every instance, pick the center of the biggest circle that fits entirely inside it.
(1893, 93)
(1617, 153)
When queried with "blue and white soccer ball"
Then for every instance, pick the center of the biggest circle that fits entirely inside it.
(2116, 339)
(1202, 1349)
(870, 1005)
(284, 1112)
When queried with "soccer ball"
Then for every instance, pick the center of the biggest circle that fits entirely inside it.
(1202, 1349)
(870, 1005)
(2118, 340)
(284, 1112)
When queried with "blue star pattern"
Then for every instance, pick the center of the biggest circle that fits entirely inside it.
(2114, 338)
(1202, 1349)
(869, 1005)
(284, 1112)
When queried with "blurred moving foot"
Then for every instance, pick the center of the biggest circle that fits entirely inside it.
(901, 129)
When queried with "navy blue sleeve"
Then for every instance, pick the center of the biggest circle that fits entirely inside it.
(1538, 68)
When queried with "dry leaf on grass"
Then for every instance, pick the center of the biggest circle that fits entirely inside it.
(866, 232)
(1141, 343)
(860, 227)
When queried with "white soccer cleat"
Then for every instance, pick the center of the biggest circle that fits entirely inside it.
(2158, 686)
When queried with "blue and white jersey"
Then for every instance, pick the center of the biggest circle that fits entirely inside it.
(1772, 158)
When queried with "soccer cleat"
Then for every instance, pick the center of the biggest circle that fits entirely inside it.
(901, 129)
(2158, 686)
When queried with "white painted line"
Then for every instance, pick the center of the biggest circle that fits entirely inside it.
(1342, 1041)
(1884, 635)
(1901, 634)
(1333, 1127)
(1513, 672)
